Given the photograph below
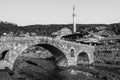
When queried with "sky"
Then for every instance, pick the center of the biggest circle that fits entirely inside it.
(29, 12)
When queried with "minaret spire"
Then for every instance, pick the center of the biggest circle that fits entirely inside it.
(74, 19)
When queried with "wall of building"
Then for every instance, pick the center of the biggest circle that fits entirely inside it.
(107, 53)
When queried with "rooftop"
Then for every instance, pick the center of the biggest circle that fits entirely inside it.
(112, 37)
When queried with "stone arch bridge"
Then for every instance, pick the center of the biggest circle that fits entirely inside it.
(15, 46)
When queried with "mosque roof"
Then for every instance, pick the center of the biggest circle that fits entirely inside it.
(65, 30)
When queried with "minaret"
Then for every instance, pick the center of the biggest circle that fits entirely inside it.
(74, 20)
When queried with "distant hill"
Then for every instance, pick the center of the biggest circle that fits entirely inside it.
(6, 27)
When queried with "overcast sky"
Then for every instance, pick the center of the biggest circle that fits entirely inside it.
(27, 12)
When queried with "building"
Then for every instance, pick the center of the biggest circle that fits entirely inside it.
(62, 32)
(109, 51)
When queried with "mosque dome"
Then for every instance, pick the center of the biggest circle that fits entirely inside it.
(65, 31)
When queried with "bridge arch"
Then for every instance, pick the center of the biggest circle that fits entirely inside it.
(83, 58)
(57, 53)
(53, 49)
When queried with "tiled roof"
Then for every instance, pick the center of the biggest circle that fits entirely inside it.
(112, 37)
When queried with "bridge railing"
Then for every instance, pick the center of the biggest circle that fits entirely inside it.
(24, 38)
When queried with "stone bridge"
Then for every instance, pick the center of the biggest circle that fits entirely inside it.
(15, 46)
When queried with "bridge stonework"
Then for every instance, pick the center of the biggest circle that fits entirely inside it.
(17, 45)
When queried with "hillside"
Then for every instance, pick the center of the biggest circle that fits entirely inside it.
(6, 27)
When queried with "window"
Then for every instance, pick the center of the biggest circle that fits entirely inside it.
(72, 52)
